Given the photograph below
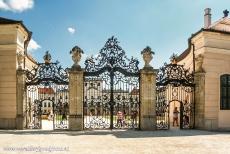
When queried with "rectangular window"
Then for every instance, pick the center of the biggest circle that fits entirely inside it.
(225, 92)
(228, 94)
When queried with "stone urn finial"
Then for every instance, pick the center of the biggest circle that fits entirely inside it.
(20, 59)
(173, 58)
(199, 63)
(47, 57)
(147, 54)
(76, 56)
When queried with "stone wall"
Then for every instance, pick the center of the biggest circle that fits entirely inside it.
(215, 49)
(12, 37)
(215, 64)
(8, 49)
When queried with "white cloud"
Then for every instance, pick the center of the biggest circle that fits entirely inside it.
(33, 45)
(16, 5)
(71, 30)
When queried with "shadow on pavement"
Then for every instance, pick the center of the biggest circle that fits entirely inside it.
(116, 133)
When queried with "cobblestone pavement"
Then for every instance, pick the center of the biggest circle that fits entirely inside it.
(117, 141)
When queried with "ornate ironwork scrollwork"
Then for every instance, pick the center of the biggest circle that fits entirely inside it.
(174, 74)
(111, 56)
(174, 84)
(47, 72)
(111, 91)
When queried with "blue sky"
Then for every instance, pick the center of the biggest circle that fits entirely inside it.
(164, 25)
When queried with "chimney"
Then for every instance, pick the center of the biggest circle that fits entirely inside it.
(207, 17)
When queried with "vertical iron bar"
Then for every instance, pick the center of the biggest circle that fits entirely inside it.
(111, 98)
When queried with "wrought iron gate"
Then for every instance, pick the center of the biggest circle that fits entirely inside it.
(175, 85)
(47, 95)
(111, 89)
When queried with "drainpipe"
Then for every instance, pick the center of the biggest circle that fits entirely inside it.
(193, 58)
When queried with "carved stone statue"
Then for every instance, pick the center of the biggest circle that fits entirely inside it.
(199, 63)
(20, 59)
(76, 56)
(147, 54)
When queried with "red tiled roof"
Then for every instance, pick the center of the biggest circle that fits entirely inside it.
(45, 91)
(135, 92)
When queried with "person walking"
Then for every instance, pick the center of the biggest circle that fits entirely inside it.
(120, 119)
(175, 116)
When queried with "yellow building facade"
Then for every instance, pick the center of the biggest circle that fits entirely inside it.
(14, 38)
(209, 48)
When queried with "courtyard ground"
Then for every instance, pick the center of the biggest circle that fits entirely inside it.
(116, 141)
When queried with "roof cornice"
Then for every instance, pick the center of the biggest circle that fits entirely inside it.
(187, 51)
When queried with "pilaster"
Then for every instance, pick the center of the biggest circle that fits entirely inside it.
(21, 99)
(199, 99)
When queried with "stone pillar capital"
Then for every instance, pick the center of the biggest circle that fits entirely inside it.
(75, 70)
(148, 70)
(199, 73)
(21, 72)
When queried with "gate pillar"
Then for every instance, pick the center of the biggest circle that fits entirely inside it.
(76, 91)
(75, 99)
(199, 79)
(147, 99)
(147, 93)
(21, 95)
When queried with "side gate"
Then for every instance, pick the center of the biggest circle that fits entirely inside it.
(174, 90)
(47, 93)
(111, 89)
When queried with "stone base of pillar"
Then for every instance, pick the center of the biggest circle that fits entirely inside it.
(7, 123)
(20, 122)
(199, 122)
(76, 122)
(148, 122)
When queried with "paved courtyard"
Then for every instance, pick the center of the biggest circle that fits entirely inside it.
(117, 141)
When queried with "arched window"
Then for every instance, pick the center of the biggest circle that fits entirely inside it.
(225, 92)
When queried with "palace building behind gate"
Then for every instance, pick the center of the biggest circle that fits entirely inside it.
(92, 97)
